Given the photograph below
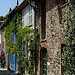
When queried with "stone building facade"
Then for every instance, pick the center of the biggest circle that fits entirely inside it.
(3, 41)
(50, 19)
(2, 38)
(1, 22)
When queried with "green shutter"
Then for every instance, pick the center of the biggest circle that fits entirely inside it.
(44, 63)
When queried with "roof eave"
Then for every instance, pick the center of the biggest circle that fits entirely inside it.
(22, 5)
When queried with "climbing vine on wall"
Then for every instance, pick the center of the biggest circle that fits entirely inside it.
(68, 55)
(18, 47)
(12, 25)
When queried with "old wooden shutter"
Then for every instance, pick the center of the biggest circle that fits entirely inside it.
(44, 62)
(14, 63)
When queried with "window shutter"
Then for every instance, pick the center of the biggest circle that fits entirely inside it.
(10, 59)
(30, 15)
(44, 63)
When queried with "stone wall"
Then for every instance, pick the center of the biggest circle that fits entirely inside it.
(3, 46)
(55, 20)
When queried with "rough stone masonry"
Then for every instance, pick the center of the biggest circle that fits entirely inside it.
(55, 20)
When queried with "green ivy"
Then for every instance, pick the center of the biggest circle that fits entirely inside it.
(68, 55)
(13, 25)
(22, 34)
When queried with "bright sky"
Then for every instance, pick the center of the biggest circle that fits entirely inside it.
(5, 5)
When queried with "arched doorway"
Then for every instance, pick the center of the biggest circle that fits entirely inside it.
(43, 61)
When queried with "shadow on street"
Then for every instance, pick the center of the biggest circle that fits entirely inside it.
(6, 72)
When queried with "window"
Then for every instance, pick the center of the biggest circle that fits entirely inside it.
(43, 19)
(30, 15)
(27, 16)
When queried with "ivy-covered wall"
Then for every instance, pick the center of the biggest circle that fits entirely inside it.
(68, 55)
(23, 45)
(55, 20)
(13, 25)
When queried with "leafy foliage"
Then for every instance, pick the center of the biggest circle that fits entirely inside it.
(68, 55)
(1, 18)
(13, 25)
(3, 60)
(23, 35)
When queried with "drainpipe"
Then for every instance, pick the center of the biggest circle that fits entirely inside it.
(34, 8)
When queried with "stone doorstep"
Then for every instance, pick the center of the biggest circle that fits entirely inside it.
(3, 69)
